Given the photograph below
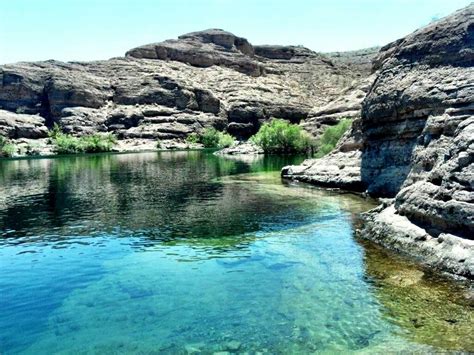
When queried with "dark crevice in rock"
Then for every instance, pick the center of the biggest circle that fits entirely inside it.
(46, 109)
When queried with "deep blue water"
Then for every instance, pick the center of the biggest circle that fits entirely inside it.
(186, 252)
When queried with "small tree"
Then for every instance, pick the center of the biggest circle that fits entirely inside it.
(279, 136)
(211, 138)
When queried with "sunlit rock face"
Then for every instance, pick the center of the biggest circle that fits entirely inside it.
(170, 89)
(414, 142)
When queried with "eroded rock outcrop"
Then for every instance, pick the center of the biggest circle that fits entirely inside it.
(205, 49)
(347, 105)
(16, 126)
(416, 144)
(171, 89)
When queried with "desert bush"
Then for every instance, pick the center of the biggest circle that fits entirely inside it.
(211, 138)
(225, 140)
(95, 143)
(331, 136)
(55, 131)
(279, 136)
(7, 149)
(193, 138)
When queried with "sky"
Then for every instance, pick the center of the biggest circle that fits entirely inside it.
(92, 29)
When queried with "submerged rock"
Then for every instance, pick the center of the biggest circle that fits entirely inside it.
(232, 345)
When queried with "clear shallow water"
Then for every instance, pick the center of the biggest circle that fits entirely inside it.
(184, 252)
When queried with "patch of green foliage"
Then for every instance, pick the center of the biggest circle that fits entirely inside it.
(6, 148)
(97, 143)
(193, 138)
(279, 136)
(331, 136)
(55, 131)
(94, 143)
(211, 138)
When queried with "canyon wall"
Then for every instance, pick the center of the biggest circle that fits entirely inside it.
(170, 89)
(414, 144)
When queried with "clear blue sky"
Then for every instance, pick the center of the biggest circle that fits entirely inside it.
(94, 29)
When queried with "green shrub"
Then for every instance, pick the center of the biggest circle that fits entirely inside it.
(211, 138)
(331, 136)
(225, 140)
(193, 138)
(6, 148)
(95, 143)
(55, 131)
(159, 145)
(66, 144)
(281, 137)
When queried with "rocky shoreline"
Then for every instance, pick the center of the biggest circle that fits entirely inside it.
(42, 147)
(414, 143)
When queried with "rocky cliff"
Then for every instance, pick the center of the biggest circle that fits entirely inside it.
(170, 89)
(415, 143)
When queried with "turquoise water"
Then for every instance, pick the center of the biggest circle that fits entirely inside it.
(185, 252)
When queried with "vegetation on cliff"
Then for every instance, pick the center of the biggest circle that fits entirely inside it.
(6, 148)
(331, 136)
(279, 136)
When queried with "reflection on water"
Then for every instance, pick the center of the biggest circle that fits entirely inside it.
(185, 252)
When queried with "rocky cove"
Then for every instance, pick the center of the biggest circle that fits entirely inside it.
(377, 229)
(412, 101)
(413, 145)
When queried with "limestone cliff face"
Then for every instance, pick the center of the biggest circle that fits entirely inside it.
(170, 89)
(415, 142)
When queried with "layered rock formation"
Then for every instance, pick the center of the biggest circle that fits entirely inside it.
(360, 59)
(170, 89)
(415, 143)
(15, 126)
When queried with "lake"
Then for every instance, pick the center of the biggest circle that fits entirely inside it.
(187, 252)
